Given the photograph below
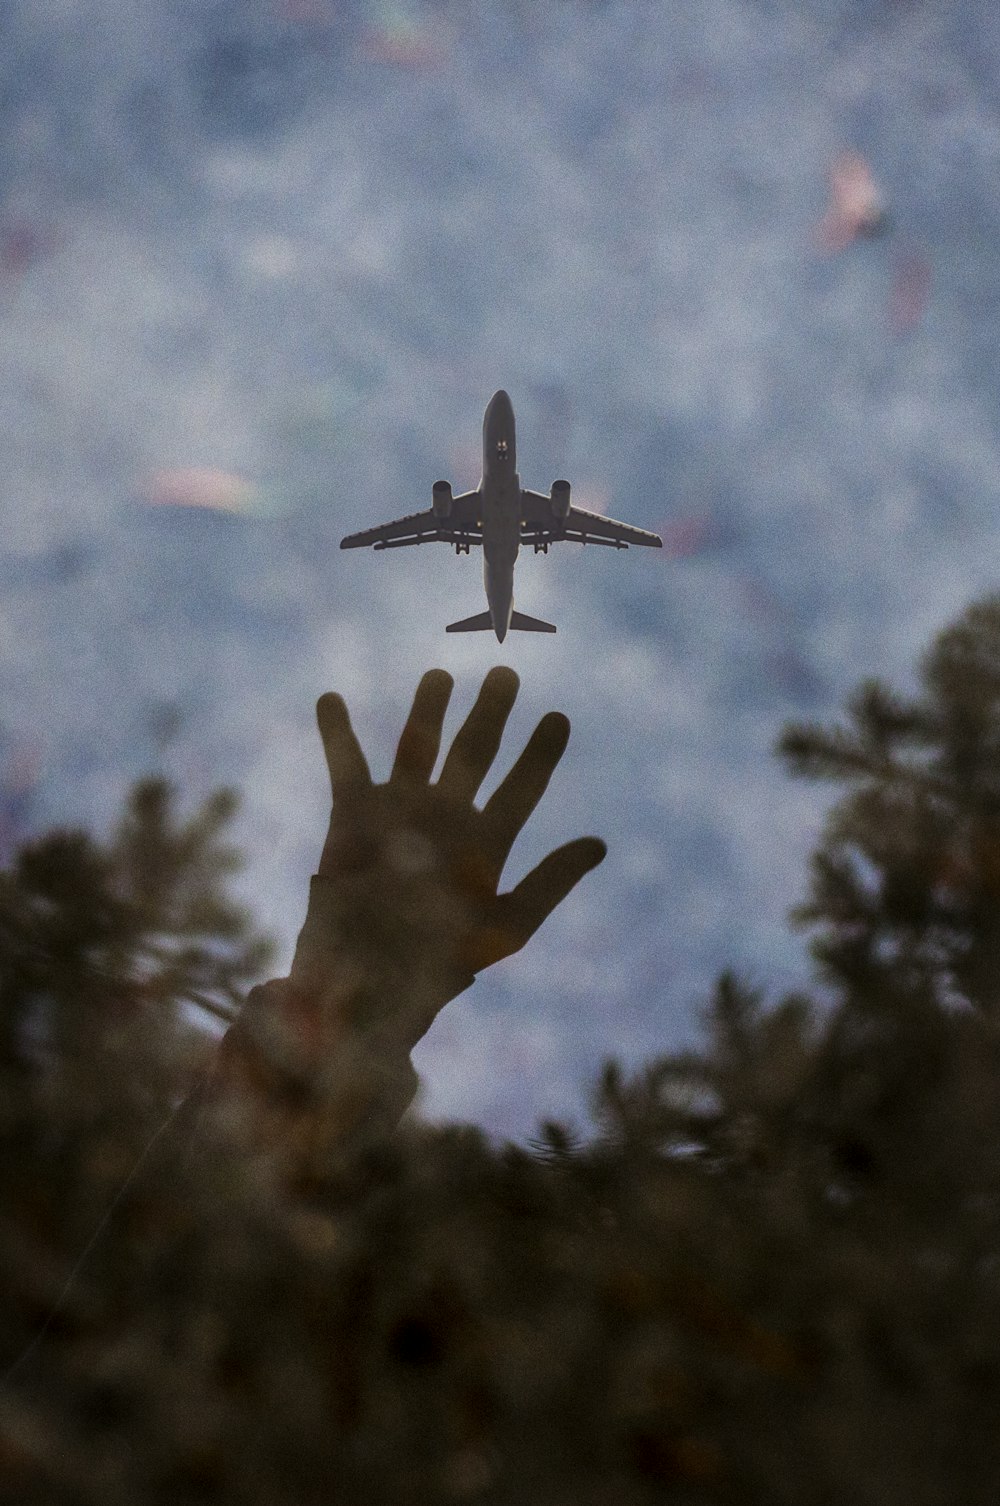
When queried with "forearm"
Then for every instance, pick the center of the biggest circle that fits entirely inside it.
(293, 1084)
(318, 1063)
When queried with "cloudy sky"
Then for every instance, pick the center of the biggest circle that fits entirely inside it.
(275, 255)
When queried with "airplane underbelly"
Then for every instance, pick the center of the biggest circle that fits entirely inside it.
(505, 545)
(497, 573)
(502, 531)
(500, 546)
(501, 535)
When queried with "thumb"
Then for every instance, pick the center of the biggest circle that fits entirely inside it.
(522, 911)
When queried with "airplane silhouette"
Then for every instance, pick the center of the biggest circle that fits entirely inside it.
(501, 516)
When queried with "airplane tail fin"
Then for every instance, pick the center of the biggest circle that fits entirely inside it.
(528, 624)
(482, 623)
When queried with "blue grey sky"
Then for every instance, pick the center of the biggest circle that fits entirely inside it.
(301, 243)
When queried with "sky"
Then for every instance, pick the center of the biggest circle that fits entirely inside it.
(262, 265)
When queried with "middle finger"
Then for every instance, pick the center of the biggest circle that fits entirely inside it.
(478, 739)
(418, 747)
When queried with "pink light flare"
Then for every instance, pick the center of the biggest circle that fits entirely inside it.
(856, 206)
(199, 486)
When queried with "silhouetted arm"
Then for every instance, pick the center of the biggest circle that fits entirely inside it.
(403, 911)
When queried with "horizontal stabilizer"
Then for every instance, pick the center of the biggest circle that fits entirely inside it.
(480, 624)
(530, 624)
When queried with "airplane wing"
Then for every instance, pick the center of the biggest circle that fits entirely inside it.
(462, 526)
(593, 527)
(579, 527)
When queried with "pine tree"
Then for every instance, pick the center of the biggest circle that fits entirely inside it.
(109, 954)
(906, 881)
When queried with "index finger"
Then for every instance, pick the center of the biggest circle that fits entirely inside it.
(347, 764)
(478, 739)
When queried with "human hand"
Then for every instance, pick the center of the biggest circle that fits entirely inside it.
(405, 908)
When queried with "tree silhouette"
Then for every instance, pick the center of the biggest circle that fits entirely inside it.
(906, 880)
(107, 952)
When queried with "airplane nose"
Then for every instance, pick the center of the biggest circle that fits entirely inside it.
(500, 402)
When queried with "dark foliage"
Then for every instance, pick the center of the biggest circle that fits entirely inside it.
(106, 954)
(906, 881)
(772, 1274)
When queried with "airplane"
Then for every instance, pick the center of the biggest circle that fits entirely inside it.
(501, 516)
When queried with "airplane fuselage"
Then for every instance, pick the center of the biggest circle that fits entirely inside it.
(500, 489)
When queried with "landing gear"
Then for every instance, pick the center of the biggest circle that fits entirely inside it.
(541, 546)
(461, 547)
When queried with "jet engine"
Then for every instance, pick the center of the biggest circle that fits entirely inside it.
(560, 499)
(442, 499)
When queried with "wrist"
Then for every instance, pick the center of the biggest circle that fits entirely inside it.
(320, 940)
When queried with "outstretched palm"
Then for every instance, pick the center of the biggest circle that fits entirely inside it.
(411, 868)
